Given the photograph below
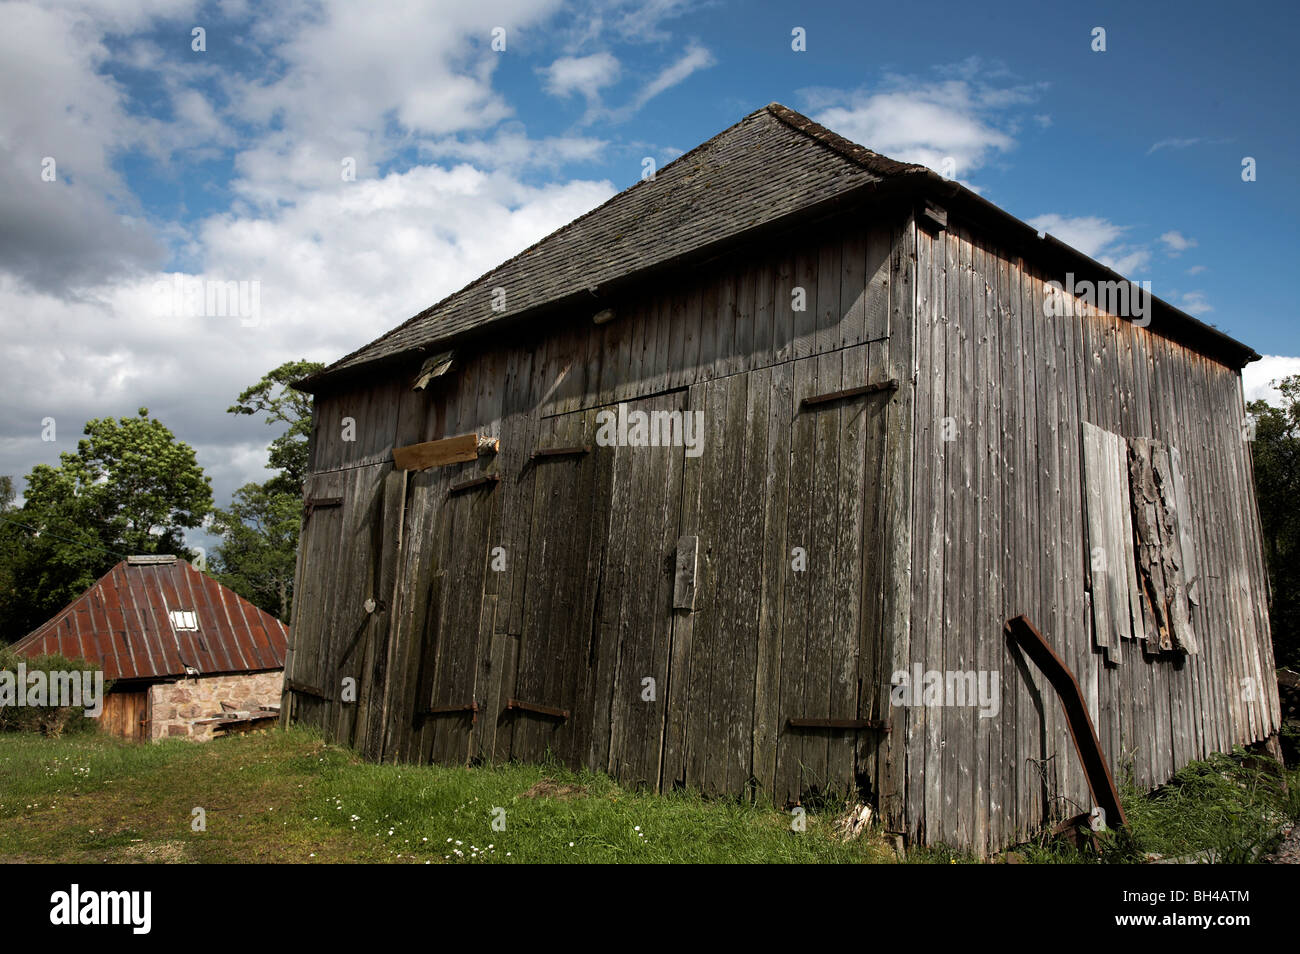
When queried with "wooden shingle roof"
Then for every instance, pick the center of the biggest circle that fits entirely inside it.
(770, 166)
(123, 623)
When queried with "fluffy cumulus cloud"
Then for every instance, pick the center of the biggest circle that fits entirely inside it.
(955, 123)
(445, 188)
(587, 75)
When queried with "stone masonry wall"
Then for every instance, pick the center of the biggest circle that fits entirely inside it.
(175, 707)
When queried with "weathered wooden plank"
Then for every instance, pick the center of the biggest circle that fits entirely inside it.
(451, 450)
(777, 383)
(983, 576)
(930, 813)
(796, 609)
(882, 311)
(853, 288)
(954, 615)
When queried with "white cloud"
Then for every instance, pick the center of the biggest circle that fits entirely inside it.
(694, 59)
(1097, 238)
(587, 75)
(967, 118)
(335, 271)
(1172, 144)
(1195, 303)
(1257, 377)
(338, 263)
(1196, 270)
(1176, 242)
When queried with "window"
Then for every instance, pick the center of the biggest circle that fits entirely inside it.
(1141, 564)
(183, 620)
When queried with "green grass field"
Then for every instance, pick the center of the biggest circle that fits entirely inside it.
(287, 797)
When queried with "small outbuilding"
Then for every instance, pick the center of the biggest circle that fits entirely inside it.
(735, 482)
(185, 655)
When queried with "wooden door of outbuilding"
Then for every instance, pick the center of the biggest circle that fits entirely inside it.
(776, 674)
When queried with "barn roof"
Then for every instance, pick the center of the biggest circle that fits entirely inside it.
(772, 166)
(124, 623)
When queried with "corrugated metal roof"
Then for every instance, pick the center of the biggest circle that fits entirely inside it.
(122, 623)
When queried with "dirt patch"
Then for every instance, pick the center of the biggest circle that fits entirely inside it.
(164, 852)
(548, 789)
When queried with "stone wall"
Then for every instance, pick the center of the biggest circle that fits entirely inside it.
(177, 709)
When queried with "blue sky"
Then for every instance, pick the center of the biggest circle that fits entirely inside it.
(224, 164)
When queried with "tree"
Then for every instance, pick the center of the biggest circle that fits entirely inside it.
(274, 397)
(259, 549)
(1276, 455)
(131, 487)
(259, 546)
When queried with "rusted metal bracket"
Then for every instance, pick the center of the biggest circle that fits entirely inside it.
(559, 452)
(802, 722)
(471, 484)
(306, 689)
(1100, 782)
(471, 707)
(318, 502)
(889, 385)
(551, 711)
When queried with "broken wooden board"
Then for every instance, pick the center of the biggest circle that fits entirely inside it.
(449, 450)
(1106, 499)
(1159, 543)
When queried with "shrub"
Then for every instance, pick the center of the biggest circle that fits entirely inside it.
(49, 720)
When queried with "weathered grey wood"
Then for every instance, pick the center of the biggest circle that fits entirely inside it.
(918, 547)
(777, 383)
(688, 557)
(896, 579)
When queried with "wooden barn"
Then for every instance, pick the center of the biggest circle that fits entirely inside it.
(734, 482)
(185, 655)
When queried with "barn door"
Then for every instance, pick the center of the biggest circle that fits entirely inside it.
(566, 478)
(782, 645)
(629, 659)
(451, 515)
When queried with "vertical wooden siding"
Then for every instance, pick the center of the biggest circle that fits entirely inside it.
(999, 530)
(581, 617)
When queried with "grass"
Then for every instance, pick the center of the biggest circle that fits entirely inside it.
(288, 797)
(1227, 809)
(285, 796)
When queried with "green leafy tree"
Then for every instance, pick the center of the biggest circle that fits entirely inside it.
(259, 532)
(274, 397)
(1276, 454)
(130, 487)
(259, 546)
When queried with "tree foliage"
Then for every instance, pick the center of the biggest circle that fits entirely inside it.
(129, 488)
(274, 397)
(1276, 454)
(259, 532)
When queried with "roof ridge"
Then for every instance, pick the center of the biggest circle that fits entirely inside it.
(425, 312)
(868, 159)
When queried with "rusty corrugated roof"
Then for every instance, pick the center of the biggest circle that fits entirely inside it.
(123, 623)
